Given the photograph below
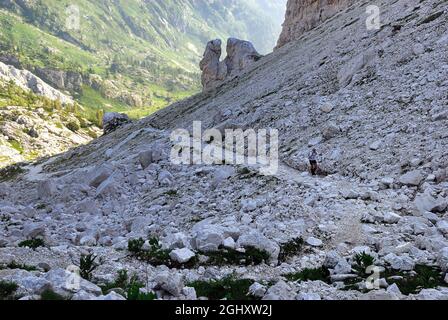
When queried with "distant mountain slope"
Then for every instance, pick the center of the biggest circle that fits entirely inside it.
(134, 53)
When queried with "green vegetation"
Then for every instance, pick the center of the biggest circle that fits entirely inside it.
(7, 290)
(130, 286)
(422, 277)
(10, 172)
(155, 255)
(50, 295)
(87, 264)
(228, 288)
(290, 249)
(318, 274)
(14, 265)
(225, 256)
(32, 243)
(362, 262)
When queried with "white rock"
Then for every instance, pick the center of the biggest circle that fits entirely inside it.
(442, 259)
(209, 239)
(314, 242)
(67, 283)
(432, 294)
(342, 267)
(171, 283)
(248, 205)
(229, 243)
(412, 178)
(99, 175)
(88, 241)
(376, 145)
(308, 297)
(34, 230)
(280, 291)
(394, 289)
(33, 284)
(165, 178)
(175, 241)
(182, 255)
(391, 217)
(112, 296)
(257, 290)
(257, 240)
(189, 293)
(403, 262)
(442, 226)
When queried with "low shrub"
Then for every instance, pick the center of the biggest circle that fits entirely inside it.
(32, 243)
(228, 288)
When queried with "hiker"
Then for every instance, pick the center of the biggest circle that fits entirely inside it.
(313, 156)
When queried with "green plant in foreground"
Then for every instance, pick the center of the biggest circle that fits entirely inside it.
(32, 243)
(7, 290)
(322, 274)
(131, 287)
(290, 249)
(227, 288)
(227, 256)
(87, 265)
(422, 277)
(155, 255)
(50, 295)
(362, 262)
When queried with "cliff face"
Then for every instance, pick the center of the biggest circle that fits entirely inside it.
(303, 15)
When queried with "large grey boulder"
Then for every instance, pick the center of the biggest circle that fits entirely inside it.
(182, 255)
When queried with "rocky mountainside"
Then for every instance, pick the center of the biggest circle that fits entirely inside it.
(134, 56)
(374, 105)
(304, 15)
(36, 124)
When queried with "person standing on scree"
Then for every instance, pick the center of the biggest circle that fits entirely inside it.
(313, 156)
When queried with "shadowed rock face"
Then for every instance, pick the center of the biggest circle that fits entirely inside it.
(213, 70)
(304, 15)
(240, 54)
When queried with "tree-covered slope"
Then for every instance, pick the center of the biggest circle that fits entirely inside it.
(127, 55)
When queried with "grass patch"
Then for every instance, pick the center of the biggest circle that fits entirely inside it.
(226, 256)
(50, 295)
(289, 249)
(14, 265)
(362, 262)
(8, 290)
(32, 243)
(130, 285)
(318, 274)
(423, 277)
(155, 255)
(11, 172)
(227, 288)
